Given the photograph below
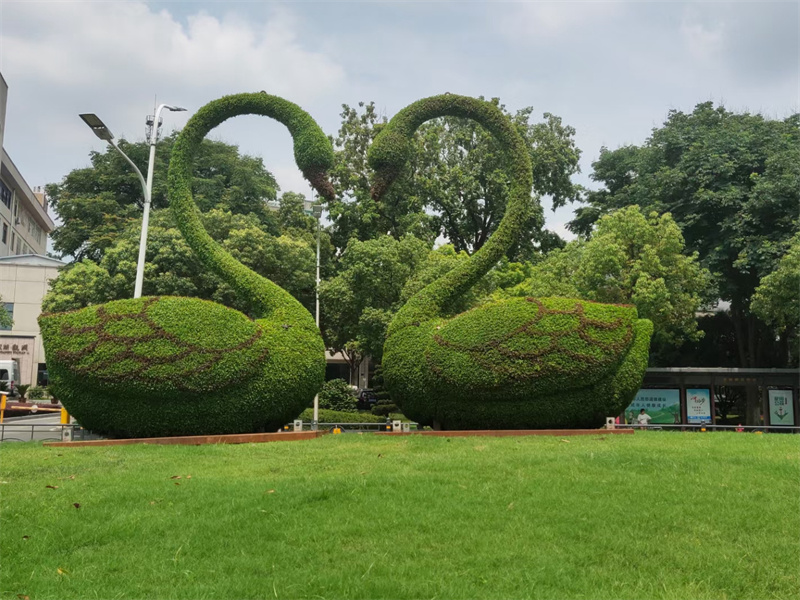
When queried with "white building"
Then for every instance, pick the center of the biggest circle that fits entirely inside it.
(24, 282)
(24, 269)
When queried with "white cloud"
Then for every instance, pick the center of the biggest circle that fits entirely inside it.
(703, 43)
(545, 21)
(82, 43)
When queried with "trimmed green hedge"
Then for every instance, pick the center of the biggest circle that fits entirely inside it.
(337, 416)
(518, 363)
(180, 366)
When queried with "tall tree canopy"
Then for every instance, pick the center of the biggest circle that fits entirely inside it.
(732, 184)
(777, 299)
(358, 303)
(95, 204)
(455, 184)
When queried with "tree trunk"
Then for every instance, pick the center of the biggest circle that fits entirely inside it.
(745, 326)
(753, 403)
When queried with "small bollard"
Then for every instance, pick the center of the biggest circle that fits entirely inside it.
(298, 425)
(406, 427)
(610, 422)
(397, 426)
(66, 434)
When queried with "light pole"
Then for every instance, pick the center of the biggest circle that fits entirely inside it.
(317, 211)
(101, 131)
(137, 290)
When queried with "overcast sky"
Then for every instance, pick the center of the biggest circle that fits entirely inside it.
(612, 70)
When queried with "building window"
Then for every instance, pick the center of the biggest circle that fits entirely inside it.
(9, 306)
(11, 247)
(5, 195)
(5, 233)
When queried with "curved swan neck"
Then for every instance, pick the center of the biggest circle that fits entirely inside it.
(313, 154)
(393, 147)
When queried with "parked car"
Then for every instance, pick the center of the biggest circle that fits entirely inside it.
(366, 399)
(9, 376)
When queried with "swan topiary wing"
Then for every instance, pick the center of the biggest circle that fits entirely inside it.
(179, 366)
(546, 344)
(166, 343)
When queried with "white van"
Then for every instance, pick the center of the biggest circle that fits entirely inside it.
(9, 374)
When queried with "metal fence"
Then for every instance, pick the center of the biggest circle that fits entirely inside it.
(45, 432)
(359, 427)
(711, 427)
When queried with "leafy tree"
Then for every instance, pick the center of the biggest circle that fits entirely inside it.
(457, 174)
(630, 259)
(360, 301)
(355, 213)
(730, 181)
(5, 318)
(777, 298)
(96, 204)
(171, 267)
(291, 213)
(462, 177)
(336, 394)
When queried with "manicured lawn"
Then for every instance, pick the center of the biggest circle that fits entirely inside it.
(649, 515)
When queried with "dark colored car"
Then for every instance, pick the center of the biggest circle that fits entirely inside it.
(366, 399)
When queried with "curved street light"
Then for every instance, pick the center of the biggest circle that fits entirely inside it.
(100, 130)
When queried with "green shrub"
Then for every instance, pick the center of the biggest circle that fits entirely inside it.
(517, 363)
(38, 393)
(336, 394)
(22, 389)
(181, 366)
(335, 416)
(384, 408)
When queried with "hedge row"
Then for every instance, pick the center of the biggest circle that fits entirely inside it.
(519, 363)
(337, 416)
(181, 366)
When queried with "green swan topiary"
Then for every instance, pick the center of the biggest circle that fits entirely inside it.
(158, 366)
(511, 364)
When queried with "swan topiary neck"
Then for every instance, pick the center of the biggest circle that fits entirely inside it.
(392, 149)
(313, 153)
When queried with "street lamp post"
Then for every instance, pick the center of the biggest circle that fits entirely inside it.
(137, 290)
(317, 211)
(100, 130)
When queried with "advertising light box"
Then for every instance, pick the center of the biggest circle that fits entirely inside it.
(663, 406)
(781, 407)
(698, 405)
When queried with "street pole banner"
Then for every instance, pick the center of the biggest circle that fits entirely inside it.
(781, 407)
(698, 405)
(662, 405)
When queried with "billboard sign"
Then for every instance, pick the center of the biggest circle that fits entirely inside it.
(698, 405)
(663, 406)
(781, 407)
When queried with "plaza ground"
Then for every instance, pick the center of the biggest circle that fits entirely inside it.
(649, 515)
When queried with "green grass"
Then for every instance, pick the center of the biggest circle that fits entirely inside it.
(649, 515)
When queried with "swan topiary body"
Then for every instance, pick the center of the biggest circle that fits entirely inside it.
(516, 363)
(159, 366)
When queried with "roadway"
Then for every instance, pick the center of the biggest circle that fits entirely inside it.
(31, 428)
